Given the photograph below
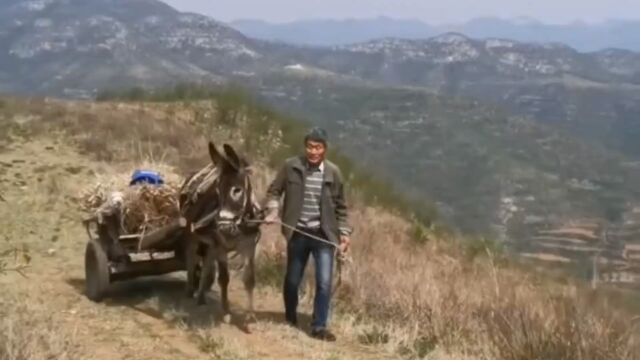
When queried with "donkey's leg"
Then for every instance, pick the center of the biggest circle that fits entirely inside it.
(191, 262)
(208, 272)
(223, 282)
(249, 275)
(249, 280)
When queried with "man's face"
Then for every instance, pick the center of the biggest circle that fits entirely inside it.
(314, 151)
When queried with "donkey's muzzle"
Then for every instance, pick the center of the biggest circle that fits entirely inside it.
(229, 228)
(228, 222)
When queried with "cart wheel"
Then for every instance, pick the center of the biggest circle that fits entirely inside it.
(96, 267)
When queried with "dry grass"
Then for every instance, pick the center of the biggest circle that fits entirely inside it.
(219, 348)
(427, 300)
(114, 133)
(14, 260)
(440, 300)
(29, 332)
(421, 299)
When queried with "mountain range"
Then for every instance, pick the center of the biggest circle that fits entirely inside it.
(498, 133)
(75, 46)
(593, 95)
(619, 34)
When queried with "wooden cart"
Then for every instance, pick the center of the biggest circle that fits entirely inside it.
(156, 253)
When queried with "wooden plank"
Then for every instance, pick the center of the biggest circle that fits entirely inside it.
(157, 237)
(148, 268)
(151, 256)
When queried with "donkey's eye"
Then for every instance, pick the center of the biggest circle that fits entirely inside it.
(236, 192)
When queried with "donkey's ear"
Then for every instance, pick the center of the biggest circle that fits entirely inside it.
(232, 157)
(215, 155)
(244, 164)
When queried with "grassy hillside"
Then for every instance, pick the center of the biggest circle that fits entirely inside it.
(432, 298)
(486, 170)
(259, 122)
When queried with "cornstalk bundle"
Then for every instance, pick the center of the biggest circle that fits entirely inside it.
(139, 208)
(147, 207)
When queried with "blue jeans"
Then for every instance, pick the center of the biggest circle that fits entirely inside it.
(298, 250)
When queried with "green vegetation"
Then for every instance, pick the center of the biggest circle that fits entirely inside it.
(465, 156)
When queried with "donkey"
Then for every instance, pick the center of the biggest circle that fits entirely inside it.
(217, 201)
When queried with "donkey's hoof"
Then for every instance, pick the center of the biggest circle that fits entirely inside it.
(227, 319)
(251, 318)
(201, 301)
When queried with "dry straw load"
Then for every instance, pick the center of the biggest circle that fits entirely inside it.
(140, 208)
(147, 207)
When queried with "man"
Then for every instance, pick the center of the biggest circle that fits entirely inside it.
(314, 204)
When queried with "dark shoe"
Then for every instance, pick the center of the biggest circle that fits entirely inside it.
(292, 322)
(323, 334)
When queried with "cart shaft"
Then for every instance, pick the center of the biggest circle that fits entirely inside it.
(148, 268)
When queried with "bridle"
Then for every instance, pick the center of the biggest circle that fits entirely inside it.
(247, 206)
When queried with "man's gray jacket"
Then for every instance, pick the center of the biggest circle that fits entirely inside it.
(290, 183)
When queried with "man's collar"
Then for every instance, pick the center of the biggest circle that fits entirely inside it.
(319, 167)
(301, 164)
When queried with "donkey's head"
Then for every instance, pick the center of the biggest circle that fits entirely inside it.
(233, 187)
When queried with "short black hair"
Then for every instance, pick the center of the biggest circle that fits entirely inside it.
(317, 134)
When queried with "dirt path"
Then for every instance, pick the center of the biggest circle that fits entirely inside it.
(144, 319)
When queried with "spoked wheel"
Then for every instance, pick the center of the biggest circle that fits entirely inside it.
(96, 267)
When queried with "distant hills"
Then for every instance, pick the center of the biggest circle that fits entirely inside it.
(595, 96)
(620, 34)
(74, 47)
(499, 133)
(486, 170)
(334, 32)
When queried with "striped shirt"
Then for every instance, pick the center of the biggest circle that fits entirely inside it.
(310, 215)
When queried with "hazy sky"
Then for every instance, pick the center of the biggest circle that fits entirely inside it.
(432, 11)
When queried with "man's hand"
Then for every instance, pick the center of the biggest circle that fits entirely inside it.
(271, 218)
(345, 243)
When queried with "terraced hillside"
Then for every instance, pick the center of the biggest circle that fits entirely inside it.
(599, 251)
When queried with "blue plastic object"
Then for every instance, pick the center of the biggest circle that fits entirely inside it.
(146, 176)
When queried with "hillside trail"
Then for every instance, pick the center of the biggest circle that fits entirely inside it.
(147, 318)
